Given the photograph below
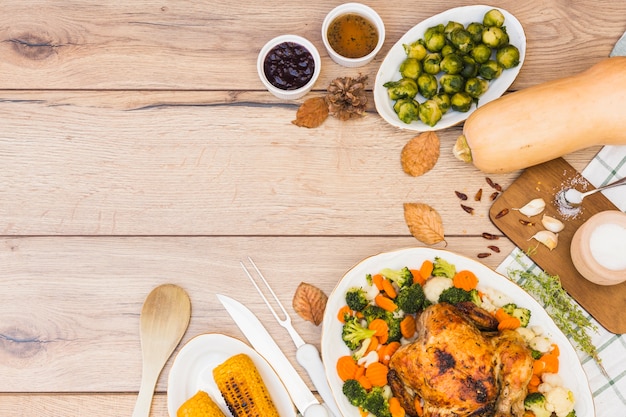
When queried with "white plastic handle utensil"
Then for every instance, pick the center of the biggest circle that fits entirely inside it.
(309, 357)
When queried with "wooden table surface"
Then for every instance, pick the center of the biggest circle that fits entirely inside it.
(138, 147)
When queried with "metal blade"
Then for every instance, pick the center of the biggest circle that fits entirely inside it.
(263, 343)
(620, 47)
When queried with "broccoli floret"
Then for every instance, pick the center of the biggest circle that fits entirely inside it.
(571, 414)
(356, 298)
(454, 295)
(536, 402)
(354, 392)
(353, 333)
(372, 312)
(402, 277)
(411, 299)
(443, 268)
(523, 314)
(377, 403)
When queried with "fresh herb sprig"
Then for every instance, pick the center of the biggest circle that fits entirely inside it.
(567, 315)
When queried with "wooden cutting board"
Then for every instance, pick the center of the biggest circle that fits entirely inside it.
(605, 303)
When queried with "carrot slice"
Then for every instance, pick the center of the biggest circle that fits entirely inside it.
(346, 367)
(501, 314)
(389, 289)
(426, 269)
(465, 280)
(407, 326)
(552, 363)
(510, 323)
(343, 313)
(395, 408)
(377, 374)
(417, 277)
(381, 328)
(377, 280)
(365, 382)
(386, 351)
(385, 303)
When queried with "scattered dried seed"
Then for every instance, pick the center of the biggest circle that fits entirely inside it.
(502, 213)
(479, 194)
(467, 209)
(491, 183)
(461, 195)
(497, 187)
(484, 254)
(494, 248)
(494, 195)
(489, 236)
(526, 222)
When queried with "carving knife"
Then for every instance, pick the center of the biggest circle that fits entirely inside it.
(263, 343)
(620, 47)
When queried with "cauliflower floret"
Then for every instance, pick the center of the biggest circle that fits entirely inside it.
(526, 333)
(553, 379)
(435, 286)
(560, 400)
(496, 298)
(541, 344)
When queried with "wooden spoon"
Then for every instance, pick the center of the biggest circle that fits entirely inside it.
(164, 319)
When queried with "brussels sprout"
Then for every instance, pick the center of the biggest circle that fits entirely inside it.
(450, 27)
(404, 88)
(476, 87)
(493, 17)
(481, 53)
(415, 50)
(406, 109)
(470, 67)
(431, 63)
(451, 83)
(451, 64)
(508, 56)
(411, 68)
(490, 70)
(475, 30)
(430, 113)
(462, 40)
(447, 50)
(427, 85)
(494, 37)
(461, 102)
(434, 38)
(443, 101)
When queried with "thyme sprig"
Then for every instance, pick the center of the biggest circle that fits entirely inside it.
(567, 315)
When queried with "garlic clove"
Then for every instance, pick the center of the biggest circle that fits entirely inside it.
(547, 238)
(533, 207)
(552, 224)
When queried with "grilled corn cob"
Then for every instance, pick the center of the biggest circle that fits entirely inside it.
(200, 405)
(243, 389)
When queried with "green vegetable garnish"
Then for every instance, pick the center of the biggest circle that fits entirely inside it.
(567, 315)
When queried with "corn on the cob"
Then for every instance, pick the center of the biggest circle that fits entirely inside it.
(200, 405)
(243, 389)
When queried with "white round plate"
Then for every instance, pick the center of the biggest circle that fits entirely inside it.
(333, 347)
(192, 370)
(389, 69)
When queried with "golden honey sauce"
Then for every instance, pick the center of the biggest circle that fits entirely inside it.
(352, 35)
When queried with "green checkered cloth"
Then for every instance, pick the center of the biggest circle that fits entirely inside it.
(608, 390)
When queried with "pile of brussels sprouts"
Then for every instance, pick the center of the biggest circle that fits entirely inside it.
(451, 67)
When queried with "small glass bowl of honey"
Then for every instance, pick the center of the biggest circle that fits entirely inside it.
(353, 34)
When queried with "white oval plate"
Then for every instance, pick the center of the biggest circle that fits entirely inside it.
(389, 69)
(333, 347)
(192, 370)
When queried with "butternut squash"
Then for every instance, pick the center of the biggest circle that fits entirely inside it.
(548, 120)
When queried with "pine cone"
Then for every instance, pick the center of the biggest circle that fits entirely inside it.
(346, 97)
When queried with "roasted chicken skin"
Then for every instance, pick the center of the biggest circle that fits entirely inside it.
(460, 371)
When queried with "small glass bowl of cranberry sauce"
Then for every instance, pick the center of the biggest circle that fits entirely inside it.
(289, 66)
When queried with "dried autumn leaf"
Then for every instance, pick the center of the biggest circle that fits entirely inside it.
(310, 302)
(311, 113)
(424, 223)
(420, 154)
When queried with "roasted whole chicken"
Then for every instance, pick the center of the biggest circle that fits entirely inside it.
(461, 366)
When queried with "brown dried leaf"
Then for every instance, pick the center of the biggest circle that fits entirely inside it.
(311, 113)
(424, 223)
(420, 154)
(310, 302)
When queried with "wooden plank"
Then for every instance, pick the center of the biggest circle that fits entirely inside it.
(184, 167)
(208, 45)
(70, 306)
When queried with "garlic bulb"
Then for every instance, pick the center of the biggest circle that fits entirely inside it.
(546, 237)
(552, 224)
(533, 207)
